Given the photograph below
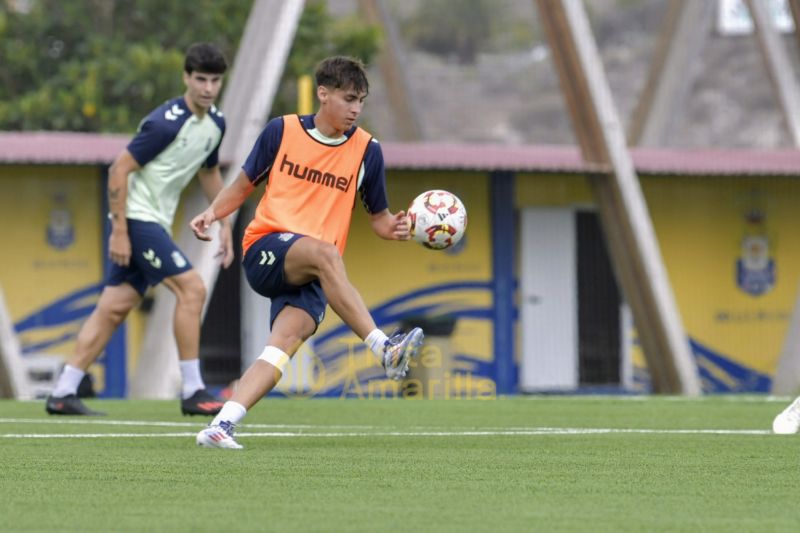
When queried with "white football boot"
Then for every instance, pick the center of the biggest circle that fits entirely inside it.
(788, 422)
(218, 436)
(398, 351)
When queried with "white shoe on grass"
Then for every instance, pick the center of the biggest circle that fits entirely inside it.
(788, 422)
(218, 436)
(399, 350)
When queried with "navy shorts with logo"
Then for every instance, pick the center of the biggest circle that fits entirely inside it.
(154, 256)
(263, 266)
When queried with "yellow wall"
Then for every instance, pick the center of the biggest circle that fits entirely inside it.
(700, 223)
(34, 273)
(551, 190)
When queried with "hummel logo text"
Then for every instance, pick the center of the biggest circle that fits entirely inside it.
(316, 176)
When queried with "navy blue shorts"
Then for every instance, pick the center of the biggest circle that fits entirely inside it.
(154, 256)
(263, 266)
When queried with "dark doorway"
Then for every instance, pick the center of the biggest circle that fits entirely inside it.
(220, 334)
(598, 306)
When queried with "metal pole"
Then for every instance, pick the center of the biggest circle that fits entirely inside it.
(623, 211)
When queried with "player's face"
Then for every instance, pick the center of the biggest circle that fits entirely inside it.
(202, 88)
(341, 107)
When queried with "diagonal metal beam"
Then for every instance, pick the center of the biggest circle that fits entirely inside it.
(794, 8)
(623, 211)
(391, 64)
(786, 379)
(251, 89)
(14, 382)
(687, 24)
(778, 65)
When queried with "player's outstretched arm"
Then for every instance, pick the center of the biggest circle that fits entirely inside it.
(390, 226)
(225, 203)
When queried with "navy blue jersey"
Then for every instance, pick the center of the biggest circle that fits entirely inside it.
(171, 145)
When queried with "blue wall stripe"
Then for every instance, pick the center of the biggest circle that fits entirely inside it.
(503, 243)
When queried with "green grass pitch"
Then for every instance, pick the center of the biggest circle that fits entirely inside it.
(554, 463)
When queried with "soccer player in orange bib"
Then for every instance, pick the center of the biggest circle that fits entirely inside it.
(314, 165)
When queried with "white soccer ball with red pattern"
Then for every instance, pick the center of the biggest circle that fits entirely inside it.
(438, 219)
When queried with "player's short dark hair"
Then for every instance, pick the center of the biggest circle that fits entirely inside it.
(205, 57)
(341, 72)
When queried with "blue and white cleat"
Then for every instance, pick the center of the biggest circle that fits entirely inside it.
(399, 350)
(788, 421)
(218, 436)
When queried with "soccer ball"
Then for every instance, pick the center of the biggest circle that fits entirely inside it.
(438, 219)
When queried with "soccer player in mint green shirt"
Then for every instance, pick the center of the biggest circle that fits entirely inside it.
(175, 142)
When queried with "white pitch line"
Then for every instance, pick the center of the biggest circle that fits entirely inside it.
(364, 430)
(335, 431)
(91, 435)
(154, 423)
(733, 398)
(503, 433)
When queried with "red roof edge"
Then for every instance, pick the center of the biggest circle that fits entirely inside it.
(92, 148)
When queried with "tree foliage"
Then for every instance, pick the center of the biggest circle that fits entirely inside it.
(319, 36)
(102, 65)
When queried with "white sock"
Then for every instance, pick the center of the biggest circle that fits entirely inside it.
(68, 381)
(190, 375)
(376, 340)
(231, 412)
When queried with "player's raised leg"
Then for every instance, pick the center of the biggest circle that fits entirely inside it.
(309, 259)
